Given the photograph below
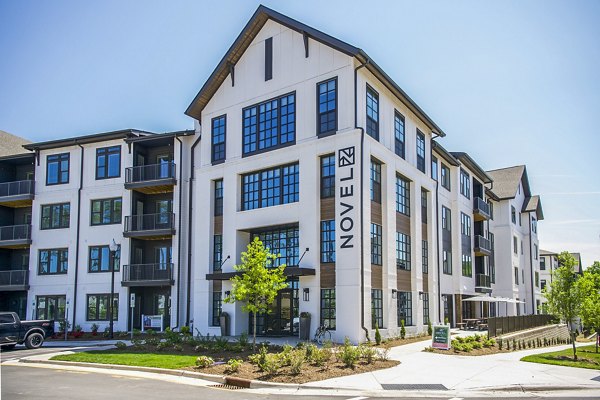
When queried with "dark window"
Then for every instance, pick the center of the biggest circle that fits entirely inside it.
(465, 224)
(268, 59)
(375, 181)
(108, 162)
(270, 187)
(467, 265)
(270, 124)
(447, 262)
(445, 177)
(446, 219)
(402, 251)
(328, 241)
(328, 176)
(97, 307)
(515, 245)
(376, 245)
(55, 216)
(434, 168)
(53, 261)
(537, 279)
(57, 169)
(513, 214)
(402, 196)
(217, 304)
(376, 308)
(516, 275)
(425, 297)
(217, 252)
(219, 130)
(491, 209)
(106, 211)
(543, 284)
(533, 225)
(285, 242)
(99, 259)
(543, 263)
(328, 308)
(425, 256)
(420, 151)
(535, 251)
(399, 142)
(372, 113)
(405, 308)
(219, 197)
(51, 307)
(465, 184)
(327, 107)
(423, 206)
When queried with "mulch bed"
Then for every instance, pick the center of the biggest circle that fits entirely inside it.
(400, 342)
(486, 351)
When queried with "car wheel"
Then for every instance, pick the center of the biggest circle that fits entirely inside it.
(34, 340)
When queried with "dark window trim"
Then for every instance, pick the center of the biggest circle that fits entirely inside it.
(212, 138)
(60, 251)
(465, 183)
(59, 161)
(322, 177)
(327, 301)
(408, 317)
(421, 138)
(216, 308)
(268, 59)
(98, 295)
(116, 261)
(375, 95)
(398, 115)
(218, 211)
(112, 205)
(60, 218)
(331, 132)
(448, 179)
(327, 255)
(281, 185)
(106, 154)
(217, 257)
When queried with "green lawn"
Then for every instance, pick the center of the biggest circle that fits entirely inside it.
(122, 357)
(586, 358)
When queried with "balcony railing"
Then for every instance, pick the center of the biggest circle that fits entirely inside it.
(14, 280)
(18, 188)
(162, 223)
(483, 281)
(482, 246)
(15, 234)
(153, 172)
(481, 209)
(148, 274)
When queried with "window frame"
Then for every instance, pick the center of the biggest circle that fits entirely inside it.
(116, 261)
(402, 195)
(105, 152)
(328, 308)
(434, 168)
(215, 148)
(217, 256)
(46, 299)
(327, 234)
(467, 265)
(99, 296)
(465, 183)
(327, 190)
(61, 216)
(425, 256)
(62, 262)
(445, 177)
(375, 173)
(294, 183)
(218, 193)
(376, 244)
(335, 110)
(446, 219)
(406, 307)
(465, 224)
(421, 158)
(216, 308)
(447, 262)
(377, 308)
(403, 251)
(60, 171)
(370, 122)
(101, 212)
(425, 299)
(399, 144)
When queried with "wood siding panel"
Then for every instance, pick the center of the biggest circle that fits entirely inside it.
(424, 231)
(402, 224)
(403, 279)
(327, 209)
(458, 307)
(376, 216)
(217, 286)
(218, 227)
(376, 276)
(328, 276)
(426, 283)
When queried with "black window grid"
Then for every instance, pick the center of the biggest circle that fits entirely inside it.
(399, 137)
(328, 308)
(402, 251)
(105, 156)
(217, 305)
(328, 176)
(375, 181)
(217, 252)
(270, 187)
(420, 151)
(218, 197)
(447, 262)
(376, 308)
(402, 196)
(98, 307)
(425, 298)
(425, 256)
(405, 308)
(467, 265)
(284, 242)
(106, 211)
(57, 169)
(376, 245)
(55, 216)
(372, 113)
(327, 107)
(328, 241)
(219, 129)
(53, 261)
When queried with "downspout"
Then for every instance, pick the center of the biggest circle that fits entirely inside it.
(531, 263)
(179, 235)
(362, 247)
(437, 244)
(77, 237)
(189, 244)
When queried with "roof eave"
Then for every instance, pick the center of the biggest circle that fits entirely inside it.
(93, 138)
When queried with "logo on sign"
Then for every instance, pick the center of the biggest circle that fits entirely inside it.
(346, 161)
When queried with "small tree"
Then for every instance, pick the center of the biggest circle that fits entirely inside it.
(565, 295)
(590, 307)
(259, 282)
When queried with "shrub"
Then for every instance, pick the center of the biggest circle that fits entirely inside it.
(172, 337)
(446, 321)
(321, 356)
(152, 340)
(429, 328)
(467, 347)
(368, 353)
(490, 343)
(349, 354)
(120, 345)
(477, 345)
(185, 330)
(234, 364)
(309, 352)
(260, 357)
(457, 346)
(384, 354)
(285, 356)
(377, 335)
(459, 339)
(296, 361)
(429, 349)
(514, 344)
(221, 342)
(499, 343)
(177, 347)
(270, 364)
(95, 328)
(204, 361)
(137, 342)
(243, 339)
(402, 329)
(163, 346)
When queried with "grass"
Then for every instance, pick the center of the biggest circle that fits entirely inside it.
(586, 358)
(121, 357)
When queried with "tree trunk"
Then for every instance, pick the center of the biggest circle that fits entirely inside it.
(254, 332)
(572, 334)
(597, 339)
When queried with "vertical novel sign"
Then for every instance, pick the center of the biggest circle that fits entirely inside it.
(346, 164)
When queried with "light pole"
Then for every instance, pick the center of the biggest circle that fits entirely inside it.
(113, 247)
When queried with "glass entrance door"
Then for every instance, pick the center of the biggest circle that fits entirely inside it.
(283, 318)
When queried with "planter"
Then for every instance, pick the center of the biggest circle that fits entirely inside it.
(305, 326)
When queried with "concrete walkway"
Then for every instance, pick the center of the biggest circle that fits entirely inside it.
(468, 372)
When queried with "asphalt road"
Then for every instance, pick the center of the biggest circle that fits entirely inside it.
(21, 351)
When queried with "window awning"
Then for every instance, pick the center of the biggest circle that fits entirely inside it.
(288, 271)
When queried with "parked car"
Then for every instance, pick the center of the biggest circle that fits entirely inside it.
(13, 331)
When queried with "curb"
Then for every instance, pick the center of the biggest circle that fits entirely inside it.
(535, 388)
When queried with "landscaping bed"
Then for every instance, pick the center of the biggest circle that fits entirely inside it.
(394, 342)
(300, 364)
(586, 358)
(479, 345)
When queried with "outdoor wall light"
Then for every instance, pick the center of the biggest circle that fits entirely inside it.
(420, 295)
(305, 294)
(394, 293)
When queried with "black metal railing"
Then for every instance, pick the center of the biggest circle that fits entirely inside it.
(483, 280)
(483, 243)
(15, 232)
(14, 278)
(17, 188)
(481, 207)
(498, 326)
(151, 172)
(148, 272)
(150, 222)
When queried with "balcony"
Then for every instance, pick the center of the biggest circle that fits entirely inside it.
(14, 280)
(17, 194)
(481, 209)
(151, 179)
(150, 226)
(483, 283)
(483, 246)
(148, 275)
(15, 236)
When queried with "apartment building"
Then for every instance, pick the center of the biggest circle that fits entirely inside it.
(309, 146)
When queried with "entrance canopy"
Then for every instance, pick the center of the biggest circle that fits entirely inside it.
(288, 271)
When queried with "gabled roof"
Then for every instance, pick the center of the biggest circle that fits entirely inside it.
(533, 204)
(251, 30)
(465, 159)
(445, 154)
(506, 181)
(547, 253)
(93, 138)
(11, 144)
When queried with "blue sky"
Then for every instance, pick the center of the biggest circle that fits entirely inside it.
(510, 82)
